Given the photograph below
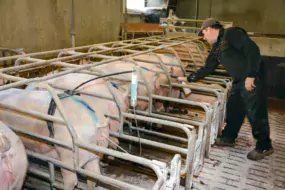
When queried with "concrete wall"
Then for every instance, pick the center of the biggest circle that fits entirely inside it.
(39, 25)
(266, 16)
(186, 9)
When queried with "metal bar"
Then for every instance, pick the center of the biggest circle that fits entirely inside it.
(188, 49)
(190, 20)
(158, 121)
(104, 179)
(48, 139)
(69, 71)
(191, 135)
(189, 174)
(182, 27)
(67, 121)
(45, 176)
(169, 117)
(165, 72)
(155, 62)
(72, 23)
(160, 134)
(33, 113)
(149, 91)
(51, 175)
(77, 48)
(155, 165)
(150, 143)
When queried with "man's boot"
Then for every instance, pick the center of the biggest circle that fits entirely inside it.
(259, 154)
(224, 142)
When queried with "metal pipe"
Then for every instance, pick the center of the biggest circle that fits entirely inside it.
(191, 150)
(150, 143)
(104, 179)
(169, 117)
(197, 10)
(125, 20)
(67, 121)
(78, 48)
(155, 62)
(191, 135)
(45, 176)
(16, 84)
(161, 134)
(42, 62)
(33, 113)
(165, 72)
(190, 20)
(158, 121)
(44, 138)
(149, 91)
(51, 175)
(72, 23)
(192, 57)
(155, 165)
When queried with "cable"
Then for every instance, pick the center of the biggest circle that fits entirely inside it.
(138, 132)
(103, 76)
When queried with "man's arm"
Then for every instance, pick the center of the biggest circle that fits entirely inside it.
(241, 41)
(210, 65)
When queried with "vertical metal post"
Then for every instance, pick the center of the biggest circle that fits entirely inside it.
(210, 9)
(72, 23)
(51, 175)
(125, 12)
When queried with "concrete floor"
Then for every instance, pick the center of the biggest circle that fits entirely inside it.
(229, 169)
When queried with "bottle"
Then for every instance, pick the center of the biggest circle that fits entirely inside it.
(134, 88)
(187, 91)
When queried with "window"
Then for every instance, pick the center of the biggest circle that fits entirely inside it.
(144, 5)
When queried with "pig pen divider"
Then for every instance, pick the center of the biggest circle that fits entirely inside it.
(151, 96)
(131, 45)
(189, 151)
(82, 55)
(159, 168)
(149, 91)
(34, 80)
(32, 59)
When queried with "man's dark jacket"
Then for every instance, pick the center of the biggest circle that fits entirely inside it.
(237, 52)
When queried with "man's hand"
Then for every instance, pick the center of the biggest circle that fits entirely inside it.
(249, 84)
(182, 79)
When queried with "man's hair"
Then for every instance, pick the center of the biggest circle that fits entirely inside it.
(217, 26)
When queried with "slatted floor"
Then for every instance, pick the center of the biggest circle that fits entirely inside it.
(229, 169)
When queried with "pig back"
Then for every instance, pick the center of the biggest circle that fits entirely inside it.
(13, 161)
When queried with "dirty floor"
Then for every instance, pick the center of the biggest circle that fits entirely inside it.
(229, 169)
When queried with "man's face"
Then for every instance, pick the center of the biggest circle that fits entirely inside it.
(211, 35)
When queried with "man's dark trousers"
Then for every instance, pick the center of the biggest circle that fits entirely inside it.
(253, 104)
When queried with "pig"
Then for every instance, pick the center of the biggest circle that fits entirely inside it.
(99, 86)
(153, 79)
(173, 71)
(89, 124)
(13, 162)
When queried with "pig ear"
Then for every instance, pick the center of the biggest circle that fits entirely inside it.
(106, 122)
(5, 143)
(157, 83)
(171, 71)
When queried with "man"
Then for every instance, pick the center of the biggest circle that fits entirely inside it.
(241, 58)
